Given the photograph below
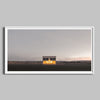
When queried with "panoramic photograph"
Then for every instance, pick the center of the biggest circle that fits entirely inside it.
(49, 50)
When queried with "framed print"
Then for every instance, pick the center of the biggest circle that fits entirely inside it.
(49, 50)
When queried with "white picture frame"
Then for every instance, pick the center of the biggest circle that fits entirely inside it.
(48, 28)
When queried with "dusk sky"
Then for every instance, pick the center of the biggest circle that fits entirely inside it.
(66, 45)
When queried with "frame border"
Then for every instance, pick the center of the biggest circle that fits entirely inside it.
(49, 28)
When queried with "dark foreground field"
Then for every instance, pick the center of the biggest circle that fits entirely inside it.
(60, 66)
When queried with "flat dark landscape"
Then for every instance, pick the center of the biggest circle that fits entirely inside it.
(60, 66)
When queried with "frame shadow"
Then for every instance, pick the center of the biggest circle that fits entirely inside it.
(3, 71)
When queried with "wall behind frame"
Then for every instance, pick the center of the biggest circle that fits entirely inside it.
(50, 13)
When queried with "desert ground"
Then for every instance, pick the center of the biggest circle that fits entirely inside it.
(60, 66)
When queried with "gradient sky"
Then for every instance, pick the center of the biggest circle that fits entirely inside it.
(66, 45)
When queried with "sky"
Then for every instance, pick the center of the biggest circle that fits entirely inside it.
(66, 45)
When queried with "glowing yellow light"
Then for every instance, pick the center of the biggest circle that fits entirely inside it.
(49, 62)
